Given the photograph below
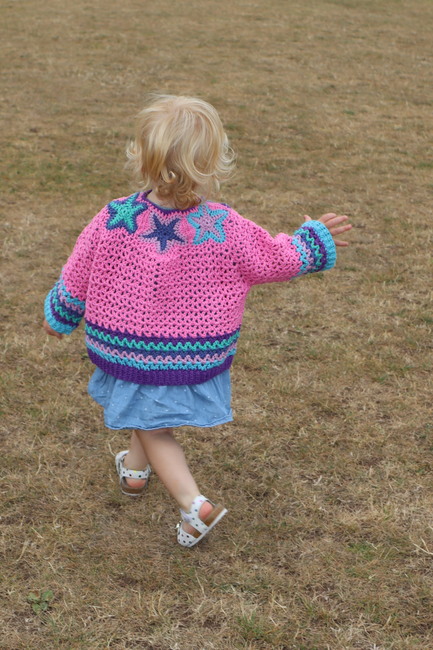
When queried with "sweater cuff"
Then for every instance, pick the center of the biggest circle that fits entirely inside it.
(317, 238)
(62, 328)
(63, 311)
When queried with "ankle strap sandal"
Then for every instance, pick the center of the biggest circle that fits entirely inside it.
(201, 526)
(125, 473)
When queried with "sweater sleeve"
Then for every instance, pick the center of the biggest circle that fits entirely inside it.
(65, 303)
(263, 258)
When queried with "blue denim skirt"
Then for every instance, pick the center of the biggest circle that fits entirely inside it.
(138, 406)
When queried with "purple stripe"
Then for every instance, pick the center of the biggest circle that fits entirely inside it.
(166, 360)
(320, 244)
(158, 377)
(171, 354)
(70, 306)
(55, 314)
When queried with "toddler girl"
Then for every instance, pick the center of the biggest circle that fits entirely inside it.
(161, 278)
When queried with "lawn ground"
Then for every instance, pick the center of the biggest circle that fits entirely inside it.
(327, 468)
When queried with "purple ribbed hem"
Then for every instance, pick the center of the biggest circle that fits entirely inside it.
(158, 377)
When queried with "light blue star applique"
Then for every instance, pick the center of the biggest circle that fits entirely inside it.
(124, 213)
(165, 234)
(208, 224)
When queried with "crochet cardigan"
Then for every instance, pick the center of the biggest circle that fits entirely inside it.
(163, 291)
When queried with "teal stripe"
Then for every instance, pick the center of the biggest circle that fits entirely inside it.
(327, 241)
(313, 247)
(69, 297)
(60, 310)
(163, 347)
(62, 328)
(303, 255)
(159, 366)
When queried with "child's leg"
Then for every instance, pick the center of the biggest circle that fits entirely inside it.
(168, 460)
(135, 459)
(166, 456)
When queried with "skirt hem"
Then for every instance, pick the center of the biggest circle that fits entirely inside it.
(170, 426)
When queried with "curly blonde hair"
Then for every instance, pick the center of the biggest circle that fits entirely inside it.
(180, 151)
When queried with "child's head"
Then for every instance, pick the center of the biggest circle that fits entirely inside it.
(181, 150)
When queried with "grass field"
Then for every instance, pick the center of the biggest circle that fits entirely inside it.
(327, 468)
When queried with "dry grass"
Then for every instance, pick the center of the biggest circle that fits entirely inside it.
(327, 469)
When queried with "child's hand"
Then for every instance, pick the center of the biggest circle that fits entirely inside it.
(49, 330)
(332, 221)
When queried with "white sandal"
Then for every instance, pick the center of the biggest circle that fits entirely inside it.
(202, 526)
(125, 473)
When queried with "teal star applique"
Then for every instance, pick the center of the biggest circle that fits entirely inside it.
(208, 224)
(124, 213)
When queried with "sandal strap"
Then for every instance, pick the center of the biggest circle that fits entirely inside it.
(192, 517)
(200, 527)
(125, 472)
(134, 473)
(184, 538)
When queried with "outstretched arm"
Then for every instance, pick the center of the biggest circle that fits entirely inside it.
(311, 248)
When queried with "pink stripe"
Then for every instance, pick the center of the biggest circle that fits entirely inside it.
(309, 255)
(160, 359)
(70, 305)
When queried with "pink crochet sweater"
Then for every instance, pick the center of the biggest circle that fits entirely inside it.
(163, 291)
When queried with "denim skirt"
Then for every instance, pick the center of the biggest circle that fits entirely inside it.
(138, 406)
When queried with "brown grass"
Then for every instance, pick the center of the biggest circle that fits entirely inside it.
(327, 469)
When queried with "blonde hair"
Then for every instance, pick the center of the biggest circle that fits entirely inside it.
(180, 150)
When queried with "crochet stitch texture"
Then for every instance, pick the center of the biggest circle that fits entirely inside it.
(163, 291)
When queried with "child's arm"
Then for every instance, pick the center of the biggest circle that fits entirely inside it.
(65, 303)
(263, 258)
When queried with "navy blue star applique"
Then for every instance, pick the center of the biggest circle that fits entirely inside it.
(165, 234)
(124, 213)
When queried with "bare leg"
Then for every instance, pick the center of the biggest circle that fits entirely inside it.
(135, 459)
(168, 460)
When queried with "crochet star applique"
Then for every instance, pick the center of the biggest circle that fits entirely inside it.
(124, 213)
(165, 234)
(208, 224)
